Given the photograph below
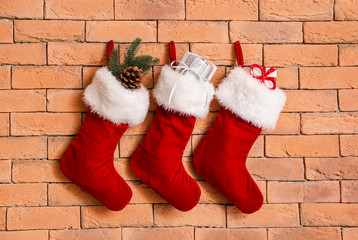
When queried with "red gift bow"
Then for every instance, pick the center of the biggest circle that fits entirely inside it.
(264, 75)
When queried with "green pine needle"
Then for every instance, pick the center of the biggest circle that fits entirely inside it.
(113, 63)
(144, 62)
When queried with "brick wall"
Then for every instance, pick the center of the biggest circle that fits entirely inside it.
(307, 168)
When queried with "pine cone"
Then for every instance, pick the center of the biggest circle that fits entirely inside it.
(131, 77)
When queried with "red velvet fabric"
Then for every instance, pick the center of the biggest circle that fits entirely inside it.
(158, 159)
(221, 160)
(88, 162)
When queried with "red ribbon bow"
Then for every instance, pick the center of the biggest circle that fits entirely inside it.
(264, 75)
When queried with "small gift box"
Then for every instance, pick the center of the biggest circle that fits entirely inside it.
(196, 67)
(264, 75)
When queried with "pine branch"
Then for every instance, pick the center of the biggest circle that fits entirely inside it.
(132, 51)
(145, 62)
(113, 63)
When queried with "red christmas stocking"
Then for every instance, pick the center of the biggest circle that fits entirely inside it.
(88, 161)
(158, 159)
(247, 107)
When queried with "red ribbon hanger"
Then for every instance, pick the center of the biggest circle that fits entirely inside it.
(110, 48)
(172, 53)
(239, 55)
(264, 75)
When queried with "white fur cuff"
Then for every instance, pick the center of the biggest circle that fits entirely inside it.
(111, 100)
(191, 97)
(246, 97)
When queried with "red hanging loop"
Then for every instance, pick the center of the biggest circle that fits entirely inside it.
(110, 48)
(172, 53)
(239, 56)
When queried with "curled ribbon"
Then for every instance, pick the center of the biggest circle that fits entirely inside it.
(264, 76)
(185, 69)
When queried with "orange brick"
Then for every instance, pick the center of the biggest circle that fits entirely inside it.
(88, 74)
(23, 54)
(349, 233)
(61, 194)
(46, 77)
(37, 171)
(330, 32)
(193, 31)
(328, 77)
(77, 53)
(21, 9)
(331, 168)
(128, 144)
(159, 50)
(221, 10)
(300, 55)
(65, 101)
(313, 233)
(349, 145)
(49, 30)
(5, 171)
(141, 128)
(329, 214)
(276, 168)
(45, 123)
(287, 78)
(23, 147)
(177, 233)
(86, 234)
(33, 235)
(210, 194)
(189, 168)
(203, 215)
(349, 191)
(81, 9)
(302, 146)
(143, 194)
(217, 233)
(301, 10)
(43, 218)
(266, 32)
(124, 170)
(4, 77)
(2, 218)
(217, 77)
(285, 215)
(132, 215)
(57, 146)
(294, 192)
(348, 100)
(311, 101)
(23, 194)
(104, 31)
(224, 54)
(329, 123)
(152, 10)
(4, 124)
(257, 149)
(196, 139)
(204, 124)
(6, 31)
(288, 123)
(348, 55)
(345, 10)
(22, 100)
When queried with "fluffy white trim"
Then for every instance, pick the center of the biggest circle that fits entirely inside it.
(191, 97)
(110, 99)
(246, 97)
